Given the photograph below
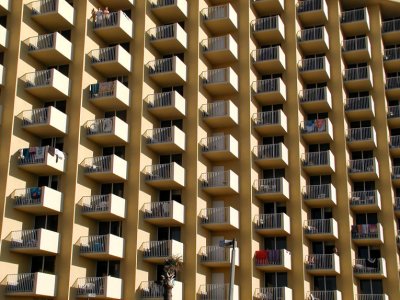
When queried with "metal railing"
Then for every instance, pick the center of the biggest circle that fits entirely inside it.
(20, 283)
(35, 116)
(395, 141)
(33, 155)
(102, 89)
(215, 215)
(267, 118)
(268, 151)
(396, 172)
(25, 239)
(313, 94)
(357, 73)
(362, 165)
(320, 261)
(394, 111)
(359, 134)
(392, 54)
(270, 293)
(271, 257)
(214, 291)
(397, 203)
(311, 34)
(215, 76)
(151, 289)
(215, 109)
(155, 210)
(161, 3)
(264, 54)
(215, 254)
(269, 221)
(109, 20)
(43, 6)
(322, 295)
(318, 226)
(100, 126)
(28, 196)
(93, 244)
(269, 185)
(96, 203)
(91, 286)
(313, 126)
(367, 266)
(354, 15)
(317, 191)
(266, 23)
(162, 32)
(103, 55)
(392, 83)
(159, 172)
(159, 135)
(365, 231)
(319, 158)
(160, 100)
(358, 103)
(363, 197)
(266, 85)
(371, 297)
(391, 25)
(161, 65)
(40, 42)
(215, 143)
(157, 248)
(215, 43)
(215, 179)
(312, 64)
(39, 78)
(98, 164)
(308, 5)
(355, 44)
(216, 12)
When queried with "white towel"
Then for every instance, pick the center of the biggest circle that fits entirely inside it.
(59, 153)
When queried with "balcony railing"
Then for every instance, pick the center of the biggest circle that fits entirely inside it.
(93, 244)
(39, 78)
(91, 286)
(216, 43)
(44, 6)
(396, 172)
(216, 12)
(25, 239)
(215, 254)
(161, 3)
(268, 151)
(162, 32)
(358, 103)
(318, 226)
(364, 197)
(159, 135)
(266, 85)
(37, 199)
(215, 179)
(319, 191)
(104, 55)
(309, 5)
(20, 283)
(214, 291)
(160, 209)
(37, 155)
(392, 54)
(359, 134)
(96, 203)
(354, 15)
(158, 248)
(357, 73)
(320, 261)
(312, 64)
(98, 164)
(394, 111)
(100, 126)
(270, 185)
(323, 295)
(112, 19)
(215, 215)
(393, 83)
(362, 165)
(41, 42)
(264, 54)
(372, 297)
(270, 257)
(355, 44)
(159, 172)
(314, 126)
(216, 76)
(273, 293)
(395, 141)
(267, 118)
(365, 231)
(267, 23)
(391, 25)
(316, 158)
(159, 100)
(215, 143)
(269, 221)
(215, 109)
(151, 289)
(313, 94)
(37, 116)
(161, 66)
(311, 34)
(368, 266)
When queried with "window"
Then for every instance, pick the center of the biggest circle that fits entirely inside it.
(324, 283)
(273, 173)
(44, 264)
(120, 114)
(49, 181)
(318, 147)
(323, 247)
(110, 227)
(170, 195)
(274, 208)
(275, 243)
(117, 150)
(166, 159)
(270, 140)
(113, 188)
(169, 233)
(362, 154)
(317, 116)
(46, 222)
(60, 105)
(371, 287)
(57, 143)
(178, 89)
(274, 107)
(367, 218)
(276, 279)
(319, 180)
(367, 252)
(108, 268)
(363, 186)
(169, 123)
(321, 213)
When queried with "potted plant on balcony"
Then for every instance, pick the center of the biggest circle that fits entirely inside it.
(172, 266)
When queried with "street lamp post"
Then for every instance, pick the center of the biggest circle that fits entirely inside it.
(227, 244)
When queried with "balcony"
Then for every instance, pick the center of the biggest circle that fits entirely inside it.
(53, 15)
(220, 183)
(361, 138)
(116, 28)
(166, 140)
(155, 291)
(102, 247)
(321, 229)
(372, 297)
(390, 31)
(394, 145)
(396, 176)
(320, 195)
(358, 79)
(272, 189)
(317, 131)
(221, 19)
(272, 225)
(42, 161)
(38, 200)
(167, 105)
(355, 22)
(273, 7)
(109, 95)
(45, 122)
(268, 30)
(397, 208)
(393, 87)
(312, 12)
(217, 257)
(4, 7)
(220, 50)
(374, 268)
(30, 285)
(168, 39)
(50, 49)
(279, 260)
(218, 82)
(394, 116)
(164, 213)
(47, 84)
(359, 108)
(167, 71)
(323, 264)
(365, 201)
(277, 293)
(220, 114)
(325, 295)
(315, 99)
(220, 147)
(103, 207)
(106, 169)
(367, 234)
(107, 131)
(158, 251)
(356, 50)
(318, 163)
(314, 69)
(35, 242)
(271, 156)
(269, 60)
(313, 40)
(169, 11)
(106, 287)
(269, 91)
(270, 123)
(111, 61)
(391, 59)
(363, 169)
(219, 218)
(215, 291)
(165, 176)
